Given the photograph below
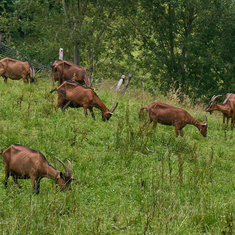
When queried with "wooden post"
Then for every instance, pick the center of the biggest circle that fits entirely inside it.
(61, 54)
(120, 83)
(127, 82)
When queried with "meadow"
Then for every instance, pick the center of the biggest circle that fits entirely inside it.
(129, 179)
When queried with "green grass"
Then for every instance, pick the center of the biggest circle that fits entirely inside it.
(130, 180)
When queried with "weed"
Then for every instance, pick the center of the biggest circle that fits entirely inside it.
(131, 179)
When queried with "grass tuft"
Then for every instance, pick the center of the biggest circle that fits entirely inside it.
(130, 179)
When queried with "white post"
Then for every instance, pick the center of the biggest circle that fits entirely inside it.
(127, 82)
(61, 54)
(120, 83)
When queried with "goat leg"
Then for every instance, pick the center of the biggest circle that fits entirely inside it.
(38, 186)
(224, 120)
(176, 132)
(181, 132)
(154, 124)
(32, 178)
(7, 174)
(16, 181)
(85, 111)
(92, 113)
(67, 104)
(148, 121)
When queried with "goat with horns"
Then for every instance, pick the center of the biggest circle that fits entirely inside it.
(22, 162)
(73, 92)
(169, 115)
(227, 108)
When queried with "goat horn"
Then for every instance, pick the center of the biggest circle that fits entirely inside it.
(65, 167)
(70, 168)
(113, 108)
(214, 97)
(217, 96)
(205, 120)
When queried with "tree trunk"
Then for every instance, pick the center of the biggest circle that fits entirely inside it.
(172, 67)
(91, 54)
(188, 30)
(76, 57)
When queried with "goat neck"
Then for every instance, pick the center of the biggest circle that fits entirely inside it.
(224, 108)
(49, 172)
(97, 102)
(202, 127)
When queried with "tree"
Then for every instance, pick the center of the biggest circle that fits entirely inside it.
(181, 39)
(86, 23)
(186, 44)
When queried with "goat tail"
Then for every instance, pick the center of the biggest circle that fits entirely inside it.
(141, 114)
(53, 90)
(142, 109)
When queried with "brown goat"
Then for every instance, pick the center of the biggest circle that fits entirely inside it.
(63, 70)
(227, 108)
(16, 69)
(82, 97)
(169, 115)
(22, 162)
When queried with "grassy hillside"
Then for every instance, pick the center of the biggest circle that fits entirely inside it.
(129, 179)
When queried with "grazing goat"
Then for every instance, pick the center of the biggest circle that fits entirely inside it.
(22, 162)
(227, 108)
(169, 115)
(79, 96)
(63, 70)
(16, 69)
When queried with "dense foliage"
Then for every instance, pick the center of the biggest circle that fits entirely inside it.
(129, 179)
(167, 44)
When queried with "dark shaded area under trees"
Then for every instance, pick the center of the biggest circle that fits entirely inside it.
(169, 44)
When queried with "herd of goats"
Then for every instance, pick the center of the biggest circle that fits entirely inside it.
(22, 162)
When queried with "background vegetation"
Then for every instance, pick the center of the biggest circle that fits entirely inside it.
(130, 179)
(184, 44)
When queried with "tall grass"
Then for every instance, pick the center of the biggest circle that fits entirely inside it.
(130, 179)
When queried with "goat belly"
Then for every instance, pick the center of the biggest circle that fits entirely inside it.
(12, 75)
(18, 176)
(165, 121)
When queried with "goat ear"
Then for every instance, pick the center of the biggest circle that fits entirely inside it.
(108, 112)
(62, 176)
